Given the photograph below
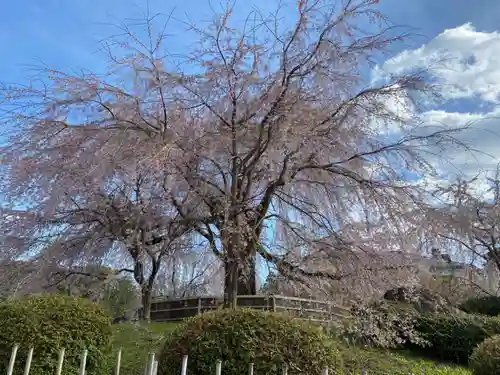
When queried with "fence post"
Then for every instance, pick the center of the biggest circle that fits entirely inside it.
(151, 363)
(155, 368)
(250, 369)
(325, 371)
(218, 367)
(273, 303)
(118, 361)
(284, 371)
(60, 361)
(83, 362)
(199, 306)
(27, 366)
(12, 360)
(184, 365)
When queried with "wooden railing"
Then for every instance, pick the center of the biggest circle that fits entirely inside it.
(163, 310)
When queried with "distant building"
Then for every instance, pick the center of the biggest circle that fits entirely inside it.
(441, 265)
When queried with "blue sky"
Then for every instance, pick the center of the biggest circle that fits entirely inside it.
(65, 33)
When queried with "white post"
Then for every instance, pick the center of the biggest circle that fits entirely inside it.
(12, 361)
(27, 366)
(151, 363)
(184, 365)
(118, 362)
(325, 371)
(83, 362)
(218, 367)
(198, 311)
(250, 369)
(155, 368)
(284, 371)
(60, 362)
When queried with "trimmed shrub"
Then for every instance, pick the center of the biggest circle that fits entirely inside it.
(485, 360)
(51, 322)
(454, 337)
(486, 305)
(239, 337)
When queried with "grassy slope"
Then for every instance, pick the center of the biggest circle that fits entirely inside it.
(137, 341)
(378, 362)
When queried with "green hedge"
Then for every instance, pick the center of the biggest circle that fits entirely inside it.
(486, 305)
(51, 322)
(239, 337)
(454, 337)
(137, 341)
(485, 360)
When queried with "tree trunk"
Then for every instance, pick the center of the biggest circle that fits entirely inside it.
(239, 278)
(230, 283)
(247, 282)
(147, 292)
(146, 297)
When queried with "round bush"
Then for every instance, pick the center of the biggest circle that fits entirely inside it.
(486, 305)
(49, 323)
(240, 337)
(454, 337)
(485, 359)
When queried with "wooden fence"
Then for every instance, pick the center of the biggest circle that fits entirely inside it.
(163, 310)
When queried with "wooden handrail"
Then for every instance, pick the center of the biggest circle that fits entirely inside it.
(263, 302)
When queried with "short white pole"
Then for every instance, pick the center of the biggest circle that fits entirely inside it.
(151, 363)
(12, 360)
(284, 371)
(184, 365)
(118, 362)
(29, 358)
(250, 369)
(325, 371)
(155, 368)
(60, 362)
(218, 367)
(83, 362)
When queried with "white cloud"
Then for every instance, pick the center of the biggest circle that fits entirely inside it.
(464, 61)
(465, 64)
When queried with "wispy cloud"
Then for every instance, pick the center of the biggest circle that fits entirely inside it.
(465, 64)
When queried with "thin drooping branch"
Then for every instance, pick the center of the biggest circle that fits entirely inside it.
(269, 143)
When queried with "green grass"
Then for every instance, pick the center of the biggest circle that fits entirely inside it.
(137, 341)
(378, 362)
